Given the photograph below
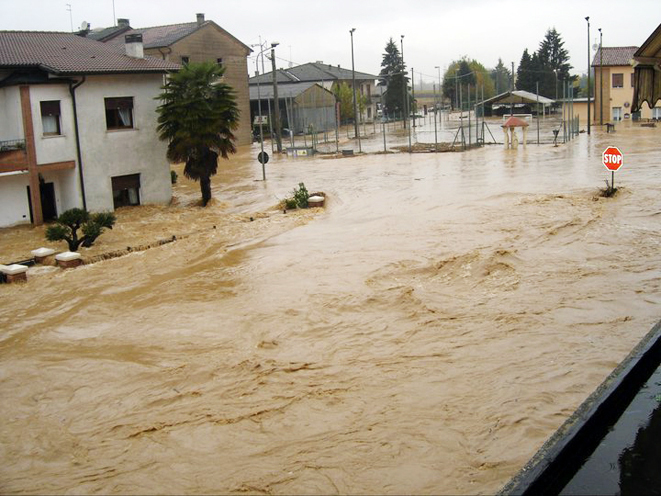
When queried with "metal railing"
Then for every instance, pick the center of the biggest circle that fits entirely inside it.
(10, 145)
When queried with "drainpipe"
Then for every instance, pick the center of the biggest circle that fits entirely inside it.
(72, 90)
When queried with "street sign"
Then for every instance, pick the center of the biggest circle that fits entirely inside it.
(612, 158)
(263, 157)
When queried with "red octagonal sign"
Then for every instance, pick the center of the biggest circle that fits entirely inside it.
(612, 158)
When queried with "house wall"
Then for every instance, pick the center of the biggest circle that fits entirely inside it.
(616, 97)
(209, 44)
(14, 205)
(11, 125)
(107, 153)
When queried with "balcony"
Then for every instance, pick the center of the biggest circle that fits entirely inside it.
(13, 156)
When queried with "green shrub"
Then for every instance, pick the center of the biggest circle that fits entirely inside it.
(67, 225)
(173, 177)
(301, 196)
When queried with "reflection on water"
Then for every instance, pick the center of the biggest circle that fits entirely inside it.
(628, 459)
(424, 334)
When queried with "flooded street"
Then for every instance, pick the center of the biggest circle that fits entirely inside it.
(425, 333)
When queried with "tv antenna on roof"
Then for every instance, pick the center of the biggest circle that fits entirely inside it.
(70, 16)
(84, 26)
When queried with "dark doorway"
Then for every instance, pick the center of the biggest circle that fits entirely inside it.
(48, 206)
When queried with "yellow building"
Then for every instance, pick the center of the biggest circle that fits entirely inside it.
(614, 83)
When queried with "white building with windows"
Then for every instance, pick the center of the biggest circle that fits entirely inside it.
(78, 126)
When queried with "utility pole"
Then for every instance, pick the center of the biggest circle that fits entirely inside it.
(512, 92)
(276, 101)
(406, 93)
(588, 20)
(601, 81)
(413, 89)
(353, 82)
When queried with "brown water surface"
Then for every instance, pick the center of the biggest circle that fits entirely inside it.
(425, 333)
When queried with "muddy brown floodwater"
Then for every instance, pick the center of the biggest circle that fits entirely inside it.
(425, 333)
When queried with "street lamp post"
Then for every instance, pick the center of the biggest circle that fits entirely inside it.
(406, 93)
(262, 157)
(601, 80)
(355, 105)
(436, 106)
(588, 20)
(276, 101)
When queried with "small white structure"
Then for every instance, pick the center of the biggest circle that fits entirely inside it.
(69, 259)
(40, 254)
(511, 138)
(14, 272)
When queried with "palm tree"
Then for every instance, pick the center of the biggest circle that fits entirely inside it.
(197, 117)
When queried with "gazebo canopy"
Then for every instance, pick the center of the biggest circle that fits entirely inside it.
(519, 97)
(515, 122)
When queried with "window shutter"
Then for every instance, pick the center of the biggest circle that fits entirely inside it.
(119, 103)
(50, 108)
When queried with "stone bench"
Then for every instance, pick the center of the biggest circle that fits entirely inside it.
(14, 272)
(40, 254)
(69, 259)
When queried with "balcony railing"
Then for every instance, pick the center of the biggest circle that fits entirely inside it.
(11, 145)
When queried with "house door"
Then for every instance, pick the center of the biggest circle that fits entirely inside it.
(48, 206)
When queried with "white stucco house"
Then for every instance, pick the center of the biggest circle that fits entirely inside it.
(78, 126)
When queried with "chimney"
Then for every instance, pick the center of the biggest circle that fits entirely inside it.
(123, 23)
(134, 47)
(200, 19)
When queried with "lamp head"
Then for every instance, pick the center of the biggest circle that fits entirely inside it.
(587, 18)
(352, 30)
(274, 44)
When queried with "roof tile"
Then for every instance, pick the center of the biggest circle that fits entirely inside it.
(66, 53)
(614, 56)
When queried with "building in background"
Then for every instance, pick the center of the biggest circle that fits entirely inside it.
(329, 77)
(78, 126)
(199, 41)
(614, 79)
(306, 107)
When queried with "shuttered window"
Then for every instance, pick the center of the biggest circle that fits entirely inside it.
(618, 80)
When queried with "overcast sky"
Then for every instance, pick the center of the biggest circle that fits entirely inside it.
(436, 32)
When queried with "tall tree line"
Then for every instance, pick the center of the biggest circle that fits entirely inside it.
(548, 66)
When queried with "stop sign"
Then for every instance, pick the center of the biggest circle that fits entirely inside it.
(612, 158)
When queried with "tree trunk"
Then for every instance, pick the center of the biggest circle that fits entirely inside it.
(205, 188)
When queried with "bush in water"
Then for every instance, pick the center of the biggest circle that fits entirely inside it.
(66, 227)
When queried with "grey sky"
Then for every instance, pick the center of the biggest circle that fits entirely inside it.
(436, 32)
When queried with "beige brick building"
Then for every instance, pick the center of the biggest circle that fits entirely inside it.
(614, 79)
(199, 41)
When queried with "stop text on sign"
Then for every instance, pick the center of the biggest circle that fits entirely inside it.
(612, 158)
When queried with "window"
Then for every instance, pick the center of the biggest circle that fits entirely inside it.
(185, 59)
(632, 85)
(618, 80)
(119, 112)
(617, 113)
(50, 118)
(126, 190)
(656, 113)
(219, 61)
